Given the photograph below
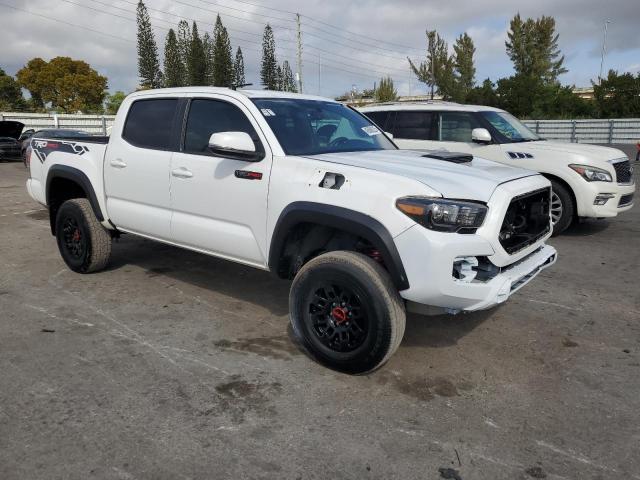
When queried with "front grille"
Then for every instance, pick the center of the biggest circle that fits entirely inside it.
(526, 221)
(623, 171)
(625, 200)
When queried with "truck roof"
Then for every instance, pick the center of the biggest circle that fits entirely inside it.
(428, 105)
(228, 91)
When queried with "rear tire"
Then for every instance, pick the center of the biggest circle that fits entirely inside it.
(84, 244)
(562, 208)
(346, 312)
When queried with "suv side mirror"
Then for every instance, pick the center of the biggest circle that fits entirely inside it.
(481, 135)
(237, 145)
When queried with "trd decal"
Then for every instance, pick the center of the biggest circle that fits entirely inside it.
(42, 148)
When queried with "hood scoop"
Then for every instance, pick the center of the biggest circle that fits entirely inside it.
(453, 157)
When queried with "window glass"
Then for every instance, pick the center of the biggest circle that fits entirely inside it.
(379, 118)
(509, 127)
(457, 126)
(414, 125)
(207, 117)
(312, 127)
(149, 123)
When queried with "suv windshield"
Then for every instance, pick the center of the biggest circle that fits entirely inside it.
(509, 127)
(313, 127)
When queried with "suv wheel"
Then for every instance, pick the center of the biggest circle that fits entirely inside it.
(346, 312)
(84, 244)
(562, 209)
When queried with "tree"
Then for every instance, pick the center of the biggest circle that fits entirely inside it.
(279, 79)
(532, 46)
(173, 65)
(64, 83)
(437, 69)
(238, 69)
(288, 82)
(483, 95)
(184, 44)
(148, 64)
(29, 78)
(269, 65)
(464, 50)
(618, 96)
(196, 60)
(113, 102)
(386, 91)
(207, 46)
(11, 98)
(222, 56)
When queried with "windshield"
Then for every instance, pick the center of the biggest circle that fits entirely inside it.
(313, 127)
(509, 127)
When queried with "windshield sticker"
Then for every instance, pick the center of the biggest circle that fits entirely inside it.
(267, 112)
(371, 130)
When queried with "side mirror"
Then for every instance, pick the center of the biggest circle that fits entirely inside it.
(481, 135)
(388, 134)
(237, 145)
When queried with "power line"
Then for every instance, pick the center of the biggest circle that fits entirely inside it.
(66, 23)
(377, 72)
(341, 30)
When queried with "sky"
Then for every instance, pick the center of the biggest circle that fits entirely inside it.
(346, 45)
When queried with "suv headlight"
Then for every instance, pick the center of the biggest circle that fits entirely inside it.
(592, 174)
(443, 215)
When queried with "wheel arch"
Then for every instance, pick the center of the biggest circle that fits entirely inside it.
(64, 183)
(339, 219)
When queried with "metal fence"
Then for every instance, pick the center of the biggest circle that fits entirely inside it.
(625, 130)
(95, 124)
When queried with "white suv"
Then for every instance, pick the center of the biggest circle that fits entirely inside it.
(588, 180)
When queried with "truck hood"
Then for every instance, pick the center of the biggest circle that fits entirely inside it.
(588, 152)
(475, 180)
(10, 128)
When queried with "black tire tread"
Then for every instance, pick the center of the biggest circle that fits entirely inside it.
(567, 205)
(100, 237)
(383, 283)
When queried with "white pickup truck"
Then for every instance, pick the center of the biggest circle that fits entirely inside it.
(589, 181)
(310, 190)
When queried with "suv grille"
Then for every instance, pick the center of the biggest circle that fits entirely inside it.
(527, 220)
(623, 171)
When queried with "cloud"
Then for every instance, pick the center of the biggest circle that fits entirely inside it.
(333, 58)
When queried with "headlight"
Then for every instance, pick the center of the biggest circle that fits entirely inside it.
(443, 215)
(592, 174)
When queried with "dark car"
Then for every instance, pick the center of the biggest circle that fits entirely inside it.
(9, 145)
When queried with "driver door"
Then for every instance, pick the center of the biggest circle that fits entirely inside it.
(215, 208)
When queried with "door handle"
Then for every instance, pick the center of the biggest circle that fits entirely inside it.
(118, 163)
(182, 172)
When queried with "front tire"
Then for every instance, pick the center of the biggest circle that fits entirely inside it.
(346, 312)
(84, 244)
(562, 208)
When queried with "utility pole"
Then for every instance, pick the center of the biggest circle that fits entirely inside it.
(604, 50)
(299, 73)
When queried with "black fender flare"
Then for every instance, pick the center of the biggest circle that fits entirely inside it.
(342, 219)
(79, 177)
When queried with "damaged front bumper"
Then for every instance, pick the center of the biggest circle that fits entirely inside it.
(431, 272)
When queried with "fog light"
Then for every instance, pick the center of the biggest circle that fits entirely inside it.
(603, 198)
(464, 268)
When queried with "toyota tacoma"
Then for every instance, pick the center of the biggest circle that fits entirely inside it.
(310, 190)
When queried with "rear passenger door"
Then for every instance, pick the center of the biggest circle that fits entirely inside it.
(136, 169)
(215, 208)
(414, 129)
